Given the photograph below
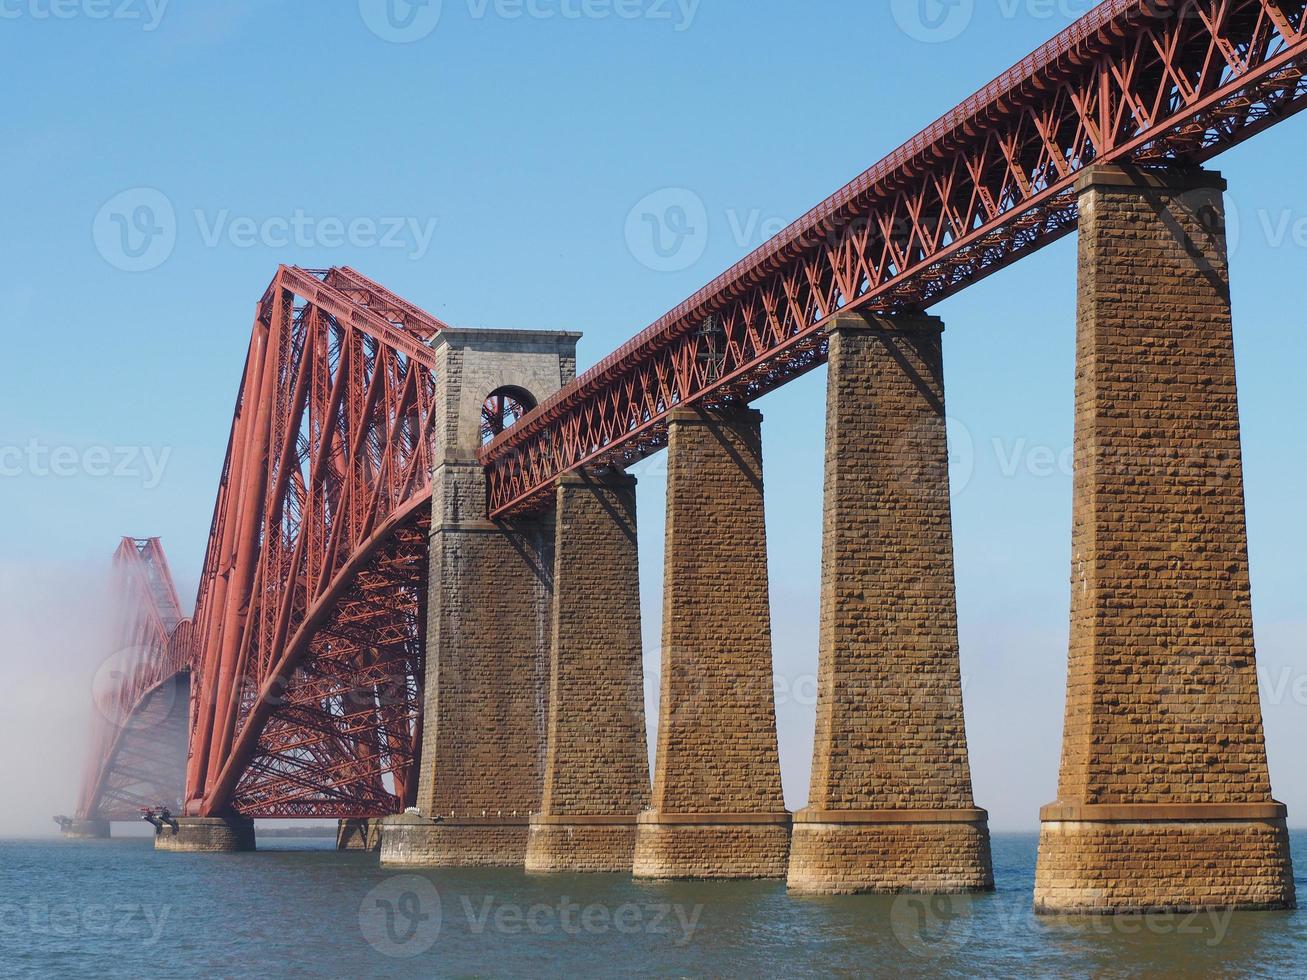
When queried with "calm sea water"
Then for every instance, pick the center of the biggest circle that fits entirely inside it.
(299, 909)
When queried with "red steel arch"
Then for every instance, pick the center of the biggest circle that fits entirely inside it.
(141, 693)
(311, 605)
(1145, 82)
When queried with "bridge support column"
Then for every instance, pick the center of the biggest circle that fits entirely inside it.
(718, 810)
(86, 830)
(207, 835)
(358, 835)
(891, 807)
(1165, 796)
(489, 617)
(487, 664)
(597, 763)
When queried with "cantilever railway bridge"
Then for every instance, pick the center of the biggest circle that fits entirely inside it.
(306, 656)
(142, 693)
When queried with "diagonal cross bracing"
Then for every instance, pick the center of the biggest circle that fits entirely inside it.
(1146, 82)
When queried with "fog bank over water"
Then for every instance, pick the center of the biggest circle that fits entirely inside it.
(55, 630)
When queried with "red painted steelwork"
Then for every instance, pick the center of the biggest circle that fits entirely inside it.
(1145, 82)
(311, 604)
(309, 621)
(152, 649)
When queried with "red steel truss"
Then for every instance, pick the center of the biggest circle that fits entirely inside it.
(1145, 82)
(307, 692)
(311, 604)
(138, 735)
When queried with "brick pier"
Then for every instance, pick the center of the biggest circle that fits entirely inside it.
(718, 810)
(488, 622)
(890, 807)
(597, 765)
(94, 829)
(207, 835)
(1165, 797)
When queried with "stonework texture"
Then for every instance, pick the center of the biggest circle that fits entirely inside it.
(597, 762)
(1162, 702)
(1182, 866)
(890, 734)
(207, 835)
(846, 858)
(487, 661)
(712, 850)
(408, 841)
(489, 619)
(573, 847)
(717, 745)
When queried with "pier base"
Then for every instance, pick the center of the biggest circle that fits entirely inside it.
(207, 835)
(703, 845)
(86, 830)
(581, 844)
(410, 840)
(888, 852)
(1132, 859)
(358, 835)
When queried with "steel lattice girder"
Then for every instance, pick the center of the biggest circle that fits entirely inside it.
(308, 687)
(307, 690)
(147, 767)
(1145, 82)
(135, 689)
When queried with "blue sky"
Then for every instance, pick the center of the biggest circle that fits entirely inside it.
(488, 171)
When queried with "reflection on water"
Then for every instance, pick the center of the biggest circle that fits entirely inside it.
(116, 908)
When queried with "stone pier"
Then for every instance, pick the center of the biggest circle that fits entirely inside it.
(597, 766)
(489, 619)
(207, 835)
(358, 835)
(890, 807)
(1164, 800)
(93, 829)
(718, 810)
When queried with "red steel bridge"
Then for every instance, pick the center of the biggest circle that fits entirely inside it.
(308, 635)
(142, 693)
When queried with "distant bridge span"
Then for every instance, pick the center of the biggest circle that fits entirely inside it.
(141, 693)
